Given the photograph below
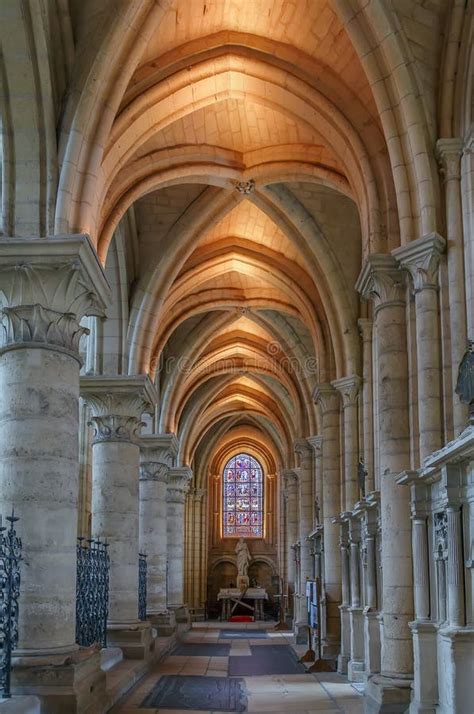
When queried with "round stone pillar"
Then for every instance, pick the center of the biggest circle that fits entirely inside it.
(348, 388)
(329, 402)
(156, 457)
(383, 281)
(366, 331)
(421, 259)
(317, 445)
(305, 523)
(291, 522)
(449, 155)
(179, 481)
(47, 287)
(117, 404)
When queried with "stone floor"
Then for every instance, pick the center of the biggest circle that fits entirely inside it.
(177, 677)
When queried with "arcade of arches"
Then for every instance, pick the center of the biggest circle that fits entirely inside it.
(241, 227)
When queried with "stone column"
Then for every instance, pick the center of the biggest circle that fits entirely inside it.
(328, 399)
(291, 536)
(345, 652)
(305, 523)
(371, 615)
(449, 155)
(421, 259)
(425, 685)
(156, 457)
(116, 405)
(46, 287)
(382, 281)
(179, 481)
(348, 388)
(456, 607)
(366, 330)
(356, 663)
(317, 444)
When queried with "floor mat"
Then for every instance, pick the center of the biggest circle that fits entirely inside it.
(267, 659)
(201, 649)
(198, 693)
(243, 635)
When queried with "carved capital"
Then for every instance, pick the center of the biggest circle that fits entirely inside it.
(47, 287)
(303, 449)
(117, 404)
(382, 281)
(448, 153)
(316, 443)
(160, 448)
(327, 397)
(421, 260)
(115, 427)
(348, 388)
(179, 481)
(153, 471)
(198, 494)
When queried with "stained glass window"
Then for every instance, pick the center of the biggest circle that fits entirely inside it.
(243, 498)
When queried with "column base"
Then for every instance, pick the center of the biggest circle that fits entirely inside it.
(74, 684)
(384, 695)
(135, 639)
(372, 647)
(356, 666)
(425, 661)
(164, 622)
(344, 655)
(182, 617)
(301, 633)
(455, 648)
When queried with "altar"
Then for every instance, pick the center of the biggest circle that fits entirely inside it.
(231, 597)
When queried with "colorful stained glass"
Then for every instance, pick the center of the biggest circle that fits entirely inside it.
(243, 498)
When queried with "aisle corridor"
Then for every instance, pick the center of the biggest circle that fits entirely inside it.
(238, 668)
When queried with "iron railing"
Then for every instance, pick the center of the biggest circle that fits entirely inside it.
(142, 593)
(92, 592)
(10, 557)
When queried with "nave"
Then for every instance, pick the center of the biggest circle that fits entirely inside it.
(239, 667)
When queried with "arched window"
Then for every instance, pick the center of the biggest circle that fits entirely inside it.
(242, 497)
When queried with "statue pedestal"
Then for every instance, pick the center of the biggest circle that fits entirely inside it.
(243, 582)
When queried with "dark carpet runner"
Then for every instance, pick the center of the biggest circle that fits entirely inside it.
(268, 659)
(243, 635)
(201, 693)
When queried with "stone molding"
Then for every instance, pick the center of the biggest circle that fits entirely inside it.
(448, 153)
(348, 388)
(382, 281)
(117, 404)
(47, 287)
(153, 471)
(179, 482)
(421, 259)
(327, 397)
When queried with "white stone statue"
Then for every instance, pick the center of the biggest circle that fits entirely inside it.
(243, 557)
